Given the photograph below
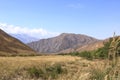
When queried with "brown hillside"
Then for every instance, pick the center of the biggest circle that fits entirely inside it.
(91, 47)
(87, 47)
(10, 45)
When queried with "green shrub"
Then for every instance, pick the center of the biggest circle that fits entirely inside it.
(97, 74)
(35, 72)
(100, 53)
(46, 71)
(85, 54)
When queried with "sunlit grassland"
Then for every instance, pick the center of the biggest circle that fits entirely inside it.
(52, 67)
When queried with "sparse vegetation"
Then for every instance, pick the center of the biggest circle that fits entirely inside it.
(97, 74)
(85, 54)
(100, 53)
(100, 64)
(46, 71)
(111, 71)
(109, 52)
(54, 67)
(37, 67)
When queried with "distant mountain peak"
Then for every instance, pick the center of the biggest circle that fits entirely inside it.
(64, 34)
(61, 42)
(24, 38)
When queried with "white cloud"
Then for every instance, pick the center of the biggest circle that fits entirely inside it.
(34, 32)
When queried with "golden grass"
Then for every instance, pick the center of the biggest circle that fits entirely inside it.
(14, 68)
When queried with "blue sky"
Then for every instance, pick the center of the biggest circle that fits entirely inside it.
(97, 18)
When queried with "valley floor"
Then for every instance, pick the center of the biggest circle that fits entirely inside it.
(53, 67)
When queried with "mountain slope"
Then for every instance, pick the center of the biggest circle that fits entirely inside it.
(10, 45)
(61, 42)
(90, 47)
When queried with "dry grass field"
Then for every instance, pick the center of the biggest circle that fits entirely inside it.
(53, 67)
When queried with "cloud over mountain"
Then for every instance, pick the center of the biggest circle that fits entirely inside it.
(34, 32)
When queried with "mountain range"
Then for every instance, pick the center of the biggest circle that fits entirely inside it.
(65, 43)
(12, 46)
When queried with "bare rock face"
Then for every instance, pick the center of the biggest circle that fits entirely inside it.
(63, 42)
(11, 45)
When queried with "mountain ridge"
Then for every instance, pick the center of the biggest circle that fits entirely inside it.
(62, 42)
(10, 45)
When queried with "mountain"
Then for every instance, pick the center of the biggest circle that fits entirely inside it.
(90, 47)
(10, 45)
(62, 42)
(24, 38)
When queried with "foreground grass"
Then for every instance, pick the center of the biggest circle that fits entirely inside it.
(54, 67)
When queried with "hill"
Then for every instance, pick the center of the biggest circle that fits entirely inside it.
(91, 47)
(64, 41)
(12, 46)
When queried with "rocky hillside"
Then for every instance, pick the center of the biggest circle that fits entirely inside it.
(10, 45)
(62, 42)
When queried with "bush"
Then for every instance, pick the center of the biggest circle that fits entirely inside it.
(85, 54)
(100, 53)
(46, 71)
(97, 74)
(35, 72)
